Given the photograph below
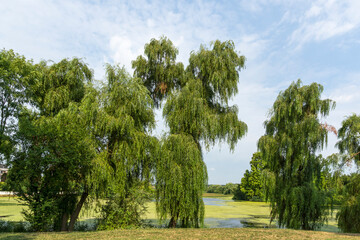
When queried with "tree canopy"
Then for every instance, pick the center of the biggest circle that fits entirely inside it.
(16, 76)
(51, 167)
(159, 71)
(251, 186)
(293, 136)
(126, 148)
(196, 111)
(348, 144)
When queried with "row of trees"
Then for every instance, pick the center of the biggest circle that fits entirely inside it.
(226, 189)
(69, 143)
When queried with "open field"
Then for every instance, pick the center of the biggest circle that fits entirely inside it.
(220, 212)
(218, 233)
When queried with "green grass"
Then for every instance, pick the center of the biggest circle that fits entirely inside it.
(10, 209)
(251, 212)
(214, 233)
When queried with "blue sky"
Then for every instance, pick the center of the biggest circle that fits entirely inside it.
(316, 41)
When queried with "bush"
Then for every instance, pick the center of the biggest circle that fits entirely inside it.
(122, 212)
(3, 186)
(348, 215)
(7, 226)
(239, 195)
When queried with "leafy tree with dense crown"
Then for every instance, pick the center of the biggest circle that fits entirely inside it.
(349, 144)
(16, 75)
(197, 111)
(51, 169)
(251, 186)
(293, 136)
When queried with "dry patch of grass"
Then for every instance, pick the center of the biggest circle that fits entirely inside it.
(219, 233)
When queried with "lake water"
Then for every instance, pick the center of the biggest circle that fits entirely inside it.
(227, 222)
(215, 201)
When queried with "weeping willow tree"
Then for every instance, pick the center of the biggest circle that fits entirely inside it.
(180, 181)
(126, 158)
(60, 84)
(196, 111)
(349, 144)
(293, 136)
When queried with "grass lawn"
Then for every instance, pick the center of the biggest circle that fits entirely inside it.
(209, 233)
(256, 213)
(10, 209)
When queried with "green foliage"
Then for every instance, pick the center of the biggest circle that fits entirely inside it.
(332, 179)
(218, 69)
(180, 181)
(7, 226)
(349, 133)
(293, 135)
(3, 186)
(51, 170)
(226, 189)
(126, 150)
(159, 71)
(16, 75)
(187, 111)
(197, 112)
(348, 215)
(229, 188)
(251, 186)
(213, 188)
(124, 213)
(59, 84)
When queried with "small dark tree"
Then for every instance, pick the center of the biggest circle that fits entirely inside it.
(251, 184)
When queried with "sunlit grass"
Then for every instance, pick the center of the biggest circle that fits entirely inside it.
(253, 212)
(10, 209)
(214, 233)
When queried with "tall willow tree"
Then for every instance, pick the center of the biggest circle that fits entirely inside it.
(197, 111)
(293, 136)
(349, 144)
(127, 149)
(50, 172)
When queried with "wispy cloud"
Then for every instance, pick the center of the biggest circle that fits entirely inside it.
(326, 19)
(265, 32)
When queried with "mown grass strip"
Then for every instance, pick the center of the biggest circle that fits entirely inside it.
(219, 233)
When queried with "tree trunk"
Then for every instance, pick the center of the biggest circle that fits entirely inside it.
(64, 221)
(172, 223)
(76, 212)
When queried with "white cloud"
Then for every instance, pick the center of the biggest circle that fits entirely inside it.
(122, 51)
(326, 19)
(116, 31)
